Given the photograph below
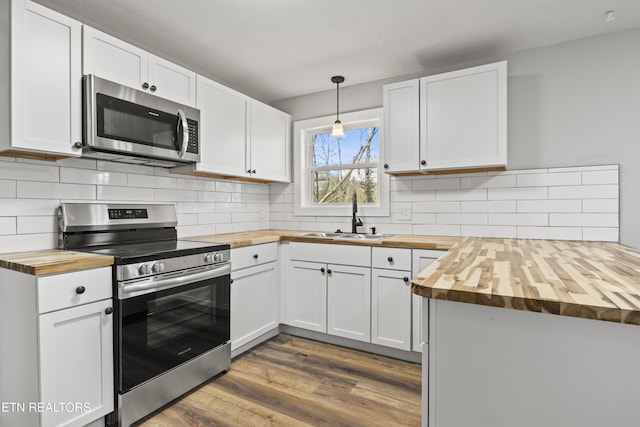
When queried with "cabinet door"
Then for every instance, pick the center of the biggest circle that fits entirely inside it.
(422, 258)
(401, 126)
(112, 59)
(76, 363)
(463, 118)
(306, 296)
(172, 81)
(45, 79)
(223, 121)
(254, 303)
(269, 135)
(391, 308)
(349, 302)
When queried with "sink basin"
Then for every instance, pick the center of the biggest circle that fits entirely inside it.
(361, 236)
(320, 234)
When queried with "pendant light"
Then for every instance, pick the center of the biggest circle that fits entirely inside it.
(337, 130)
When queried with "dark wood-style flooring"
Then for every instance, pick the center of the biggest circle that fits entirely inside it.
(291, 381)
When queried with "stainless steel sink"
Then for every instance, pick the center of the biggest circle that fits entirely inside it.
(319, 234)
(358, 236)
(361, 236)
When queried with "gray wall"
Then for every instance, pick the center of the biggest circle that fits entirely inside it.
(573, 104)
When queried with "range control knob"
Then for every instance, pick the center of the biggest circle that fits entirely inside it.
(144, 269)
(208, 258)
(218, 257)
(158, 267)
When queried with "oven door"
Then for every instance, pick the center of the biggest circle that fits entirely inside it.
(165, 328)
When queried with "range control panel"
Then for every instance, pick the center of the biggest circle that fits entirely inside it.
(128, 213)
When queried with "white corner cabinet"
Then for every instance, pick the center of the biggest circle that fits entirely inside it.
(40, 91)
(113, 59)
(240, 137)
(450, 121)
(57, 332)
(254, 293)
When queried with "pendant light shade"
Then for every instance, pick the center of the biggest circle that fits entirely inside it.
(337, 130)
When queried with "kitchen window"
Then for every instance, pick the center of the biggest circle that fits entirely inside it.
(328, 170)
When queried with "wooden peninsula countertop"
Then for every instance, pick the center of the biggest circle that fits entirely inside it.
(50, 261)
(592, 280)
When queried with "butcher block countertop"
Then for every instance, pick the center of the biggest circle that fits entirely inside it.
(51, 261)
(248, 238)
(592, 280)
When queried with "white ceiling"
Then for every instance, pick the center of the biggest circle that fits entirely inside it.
(276, 49)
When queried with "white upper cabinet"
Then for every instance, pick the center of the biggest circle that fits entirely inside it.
(40, 92)
(462, 121)
(121, 62)
(240, 137)
(269, 139)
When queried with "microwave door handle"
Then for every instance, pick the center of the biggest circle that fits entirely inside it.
(185, 132)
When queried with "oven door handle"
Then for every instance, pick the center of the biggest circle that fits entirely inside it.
(134, 289)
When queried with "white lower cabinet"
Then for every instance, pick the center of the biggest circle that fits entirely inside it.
(391, 308)
(349, 302)
(421, 259)
(306, 296)
(59, 361)
(254, 293)
(75, 364)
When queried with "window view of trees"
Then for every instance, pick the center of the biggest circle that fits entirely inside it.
(340, 166)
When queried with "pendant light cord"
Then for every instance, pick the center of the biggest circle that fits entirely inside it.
(338, 101)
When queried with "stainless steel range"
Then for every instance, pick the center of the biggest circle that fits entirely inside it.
(171, 299)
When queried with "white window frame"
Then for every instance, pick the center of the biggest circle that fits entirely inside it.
(303, 130)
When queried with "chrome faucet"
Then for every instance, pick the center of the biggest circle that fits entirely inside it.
(355, 222)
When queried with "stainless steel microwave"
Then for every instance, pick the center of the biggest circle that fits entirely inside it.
(127, 125)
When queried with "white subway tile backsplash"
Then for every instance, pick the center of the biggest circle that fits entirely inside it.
(187, 219)
(43, 190)
(553, 233)
(249, 197)
(26, 207)
(28, 242)
(7, 225)
(436, 206)
(37, 224)
(539, 193)
(214, 197)
(609, 191)
(7, 188)
(600, 177)
(502, 231)
(412, 196)
(30, 172)
(163, 195)
(549, 206)
(186, 207)
(196, 230)
(152, 181)
(124, 167)
(584, 219)
(488, 206)
(540, 219)
(600, 234)
(89, 176)
(585, 168)
(462, 218)
(495, 181)
(600, 205)
(194, 184)
(436, 184)
(400, 185)
(459, 195)
(229, 186)
(214, 218)
(437, 230)
(419, 218)
(77, 162)
(549, 179)
(130, 194)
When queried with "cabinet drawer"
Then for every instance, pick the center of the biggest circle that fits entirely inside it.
(65, 290)
(391, 258)
(249, 256)
(331, 254)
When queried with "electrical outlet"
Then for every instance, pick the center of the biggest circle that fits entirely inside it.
(404, 214)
